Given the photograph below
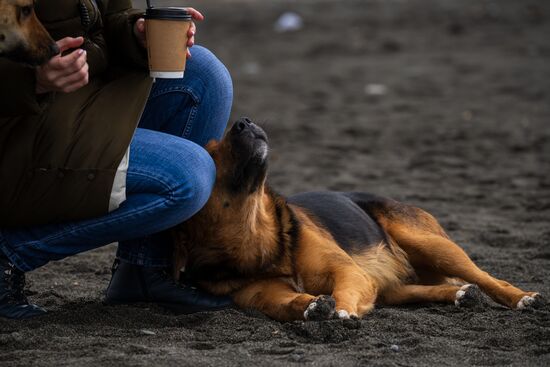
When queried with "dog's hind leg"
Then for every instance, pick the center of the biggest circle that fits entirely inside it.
(466, 295)
(428, 247)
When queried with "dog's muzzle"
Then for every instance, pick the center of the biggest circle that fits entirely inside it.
(250, 138)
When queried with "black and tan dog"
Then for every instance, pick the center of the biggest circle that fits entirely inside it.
(22, 37)
(320, 255)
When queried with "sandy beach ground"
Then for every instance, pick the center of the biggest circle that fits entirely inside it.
(441, 104)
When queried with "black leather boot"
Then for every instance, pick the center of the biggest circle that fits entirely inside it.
(13, 301)
(135, 284)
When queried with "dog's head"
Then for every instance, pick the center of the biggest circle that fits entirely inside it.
(22, 37)
(241, 169)
(241, 159)
(240, 206)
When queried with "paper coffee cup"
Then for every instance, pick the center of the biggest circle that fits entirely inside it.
(166, 31)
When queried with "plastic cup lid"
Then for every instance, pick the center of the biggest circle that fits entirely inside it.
(170, 13)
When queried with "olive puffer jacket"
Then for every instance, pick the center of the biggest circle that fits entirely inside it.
(59, 152)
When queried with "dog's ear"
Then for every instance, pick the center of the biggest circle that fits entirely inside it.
(181, 252)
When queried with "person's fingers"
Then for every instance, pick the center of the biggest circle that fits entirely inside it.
(188, 53)
(67, 62)
(75, 77)
(69, 42)
(76, 80)
(191, 35)
(192, 30)
(140, 24)
(78, 64)
(195, 14)
(139, 31)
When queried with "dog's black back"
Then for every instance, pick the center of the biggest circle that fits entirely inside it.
(344, 216)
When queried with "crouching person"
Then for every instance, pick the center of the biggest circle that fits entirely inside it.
(92, 151)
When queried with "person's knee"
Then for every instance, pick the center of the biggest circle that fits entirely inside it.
(202, 180)
(195, 184)
(211, 70)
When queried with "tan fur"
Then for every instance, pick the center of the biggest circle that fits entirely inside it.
(388, 268)
(412, 293)
(22, 34)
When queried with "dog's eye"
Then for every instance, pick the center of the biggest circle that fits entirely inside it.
(26, 11)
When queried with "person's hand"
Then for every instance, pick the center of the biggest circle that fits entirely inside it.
(64, 73)
(139, 29)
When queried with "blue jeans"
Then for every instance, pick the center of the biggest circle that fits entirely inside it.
(170, 176)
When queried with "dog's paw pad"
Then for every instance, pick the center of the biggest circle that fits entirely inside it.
(534, 301)
(469, 295)
(321, 308)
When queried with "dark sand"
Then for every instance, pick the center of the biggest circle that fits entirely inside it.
(463, 131)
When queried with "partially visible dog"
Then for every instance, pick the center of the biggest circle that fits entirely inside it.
(320, 255)
(23, 38)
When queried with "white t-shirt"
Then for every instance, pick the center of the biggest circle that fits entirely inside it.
(118, 191)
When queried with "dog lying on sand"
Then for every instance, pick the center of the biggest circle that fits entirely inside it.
(320, 255)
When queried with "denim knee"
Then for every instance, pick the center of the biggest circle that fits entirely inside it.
(210, 69)
(194, 185)
(204, 74)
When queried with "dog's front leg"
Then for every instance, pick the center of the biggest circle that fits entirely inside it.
(354, 292)
(278, 299)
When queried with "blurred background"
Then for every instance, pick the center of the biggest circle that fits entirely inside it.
(391, 95)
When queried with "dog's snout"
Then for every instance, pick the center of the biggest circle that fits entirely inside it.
(239, 127)
(241, 124)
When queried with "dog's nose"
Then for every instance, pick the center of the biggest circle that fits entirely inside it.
(241, 124)
(239, 127)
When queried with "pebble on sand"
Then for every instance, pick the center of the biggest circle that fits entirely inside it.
(289, 22)
(376, 89)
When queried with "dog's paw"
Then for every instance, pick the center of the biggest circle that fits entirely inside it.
(469, 295)
(342, 314)
(533, 301)
(345, 315)
(321, 308)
